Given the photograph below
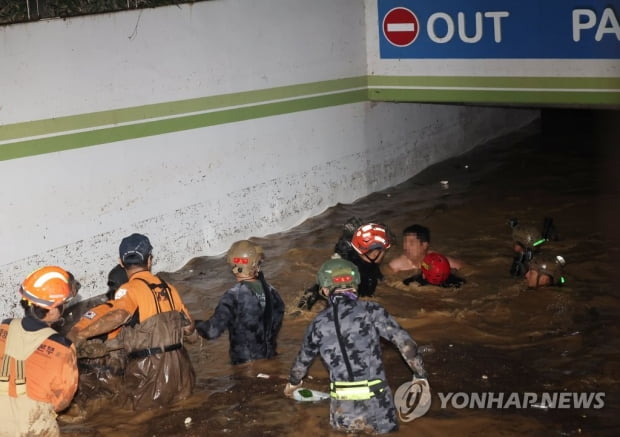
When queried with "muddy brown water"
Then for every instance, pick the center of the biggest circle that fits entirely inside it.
(491, 335)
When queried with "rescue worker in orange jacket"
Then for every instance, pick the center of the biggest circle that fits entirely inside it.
(101, 359)
(155, 321)
(39, 374)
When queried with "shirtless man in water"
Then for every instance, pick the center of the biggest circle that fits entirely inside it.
(416, 241)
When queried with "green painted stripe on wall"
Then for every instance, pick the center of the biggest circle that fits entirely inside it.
(149, 128)
(542, 97)
(575, 83)
(103, 127)
(169, 109)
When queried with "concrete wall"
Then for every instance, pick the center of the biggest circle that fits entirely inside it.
(198, 125)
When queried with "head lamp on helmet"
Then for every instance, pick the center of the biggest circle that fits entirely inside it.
(47, 287)
(245, 258)
(338, 273)
(435, 268)
(371, 237)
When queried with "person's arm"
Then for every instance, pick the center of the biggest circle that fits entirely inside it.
(391, 330)
(308, 351)
(221, 318)
(106, 323)
(455, 263)
(399, 264)
(278, 312)
(63, 380)
(117, 313)
(189, 326)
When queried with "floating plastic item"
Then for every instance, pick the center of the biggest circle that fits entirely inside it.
(309, 395)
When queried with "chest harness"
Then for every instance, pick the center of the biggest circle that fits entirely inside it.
(163, 293)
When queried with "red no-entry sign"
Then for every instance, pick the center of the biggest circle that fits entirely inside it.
(400, 27)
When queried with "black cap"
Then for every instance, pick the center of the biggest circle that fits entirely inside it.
(135, 249)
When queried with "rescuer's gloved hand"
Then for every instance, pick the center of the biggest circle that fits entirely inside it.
(191, 338)
(92, 349)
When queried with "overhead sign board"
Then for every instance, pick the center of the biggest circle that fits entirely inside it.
(499, 29)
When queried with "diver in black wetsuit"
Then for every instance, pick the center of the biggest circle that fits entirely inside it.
(365, 246)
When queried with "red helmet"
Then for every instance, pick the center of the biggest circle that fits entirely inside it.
(435, 268)
(370, 237)
(47, 287)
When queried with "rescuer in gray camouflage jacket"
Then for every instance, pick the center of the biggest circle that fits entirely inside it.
(251, 310)
(347, 336)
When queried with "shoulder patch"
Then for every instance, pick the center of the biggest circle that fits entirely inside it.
(120, 293)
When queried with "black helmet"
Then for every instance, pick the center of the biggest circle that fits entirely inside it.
(116, 278)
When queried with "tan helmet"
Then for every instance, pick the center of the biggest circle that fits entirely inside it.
(527, 236)
(245, 258)
(549, 265)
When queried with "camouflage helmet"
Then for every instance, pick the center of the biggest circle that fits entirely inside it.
(551, 266)
(527, 236)
(338, 273)
(245, 258)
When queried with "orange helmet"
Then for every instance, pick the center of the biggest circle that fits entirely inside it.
(435, 268)
(370, 237)
(47, 287)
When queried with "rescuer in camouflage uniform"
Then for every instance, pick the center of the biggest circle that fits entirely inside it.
(252, 310)
(347, 336)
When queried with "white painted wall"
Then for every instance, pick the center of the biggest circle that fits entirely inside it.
(196, 191)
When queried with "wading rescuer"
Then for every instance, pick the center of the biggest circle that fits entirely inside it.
(365, 245)
(101, 359)
(347, 336)
(154, 321)
(39, 373)
(546, 271)
(527, 241)
(251, 310)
